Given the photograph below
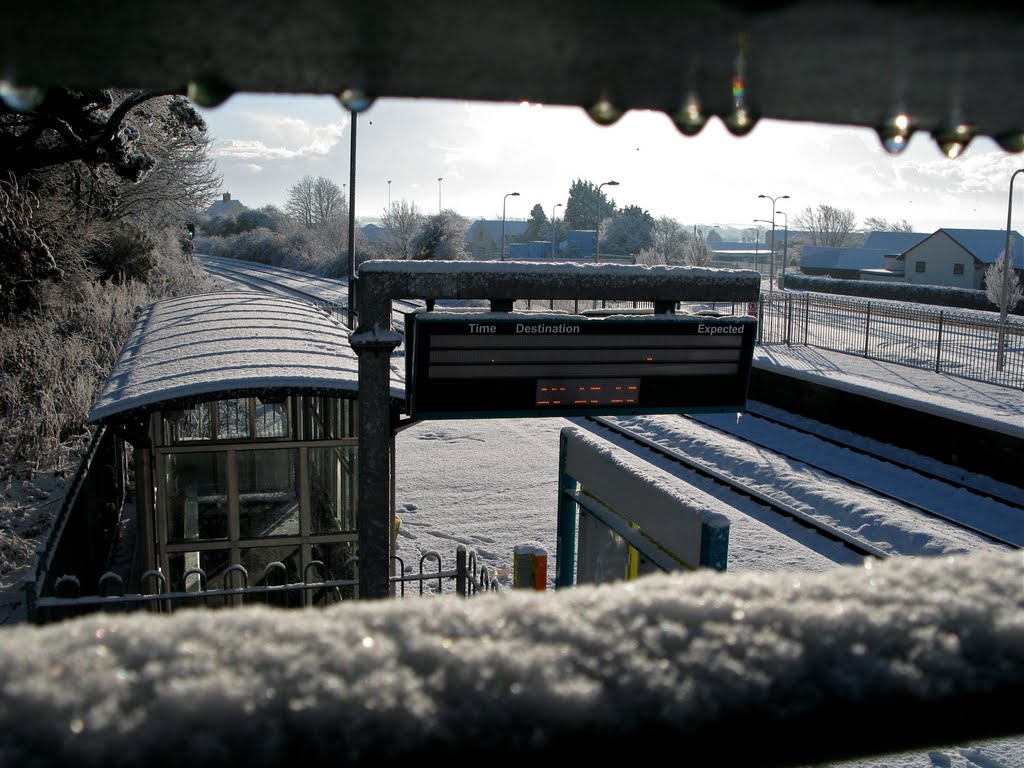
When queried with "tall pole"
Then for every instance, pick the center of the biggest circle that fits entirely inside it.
(352, 298)
(556, 205)
(597, 232)
(503, 201)
(785, 249)
(758, 240)
(389, 195)
(439, 194)
(771, 269)
(1004, 304)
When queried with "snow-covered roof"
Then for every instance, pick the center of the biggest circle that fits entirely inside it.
(208, 345)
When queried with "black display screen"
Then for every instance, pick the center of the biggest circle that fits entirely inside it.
(461, 364)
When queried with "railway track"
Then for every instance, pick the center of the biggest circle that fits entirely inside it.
(767, 490)
(800, 483)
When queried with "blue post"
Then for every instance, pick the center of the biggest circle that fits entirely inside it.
(565, 546)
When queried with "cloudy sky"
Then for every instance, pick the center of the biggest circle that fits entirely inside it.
(483, 151)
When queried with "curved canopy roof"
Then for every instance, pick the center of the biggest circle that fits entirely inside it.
(212, 345)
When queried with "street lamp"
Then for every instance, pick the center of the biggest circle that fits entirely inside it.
(556, 205)
(757, 261)
(785, 248)
(503, 201)
(1004, 304)
(389, 195)
(439, 194)
(771, 270)
(597, 232)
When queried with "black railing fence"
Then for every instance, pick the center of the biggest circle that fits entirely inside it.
(949, 341)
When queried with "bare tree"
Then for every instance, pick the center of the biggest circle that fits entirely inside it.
(401, 223)
(697, 252)
(670, 238)
(826, 226)
(875, 224)
(328, 203)
(650, 257)
(300, 203)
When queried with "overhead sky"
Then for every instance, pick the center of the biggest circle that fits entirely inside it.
(482, 151)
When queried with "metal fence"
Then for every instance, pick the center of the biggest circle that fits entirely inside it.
(949, 341)
(467, 578)
(956, 343)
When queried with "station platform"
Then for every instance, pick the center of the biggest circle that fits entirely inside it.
(969, 424)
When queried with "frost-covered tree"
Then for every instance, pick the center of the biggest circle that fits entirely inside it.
(442, 238)
(401, 223)
(1003, 288)
(86, 171)
(1002, 285)
(315, 201)
(630, 232)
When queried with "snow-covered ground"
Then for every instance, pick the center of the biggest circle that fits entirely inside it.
(119, 686)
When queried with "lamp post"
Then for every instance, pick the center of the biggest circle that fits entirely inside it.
(771, 270)
(389, 195)
(597, 232)
(785, 249)
(1004, 304)
(503, 201)
(757, 261)
(556, 205)
(439, 193)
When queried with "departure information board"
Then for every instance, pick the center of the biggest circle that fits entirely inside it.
(462, 365)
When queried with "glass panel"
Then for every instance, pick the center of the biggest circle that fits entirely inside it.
(197, 505)
(329, 418)
(212, 561)
(233, 419)
(331, 562)
(267, 498)
(332, 481)
(264, 565)
(194, 424)
(271, 419)
(257, 563)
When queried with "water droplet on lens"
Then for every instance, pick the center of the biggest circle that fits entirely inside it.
(740, 121)
(355, 99)
(604, 112)
(21, 98)
(954, 139)
(1011, 142)
(690, 119)
(895, 133)
(209, 91)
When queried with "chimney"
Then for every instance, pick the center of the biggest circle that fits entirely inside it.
(227, 196)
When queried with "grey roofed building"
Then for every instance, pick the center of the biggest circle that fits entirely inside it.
(372, 233)
(225, 207)
(987, 245)
(893, 242)
(483, 238)
(840, 263)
